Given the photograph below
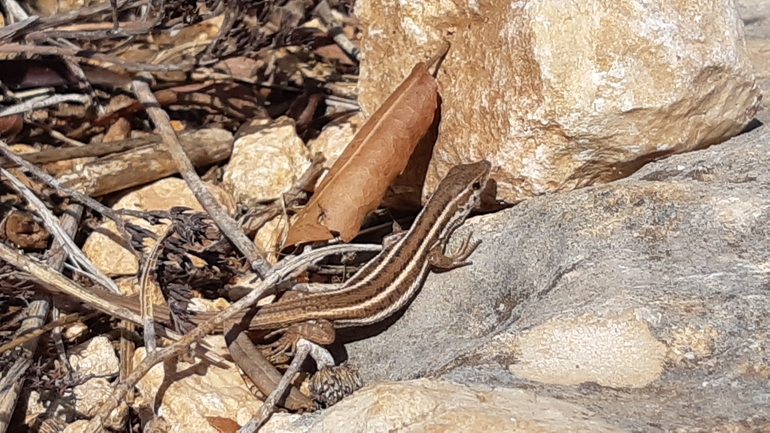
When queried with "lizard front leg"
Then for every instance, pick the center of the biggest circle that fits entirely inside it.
(442, 262)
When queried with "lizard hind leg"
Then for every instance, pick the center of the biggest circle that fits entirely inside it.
(317, 331)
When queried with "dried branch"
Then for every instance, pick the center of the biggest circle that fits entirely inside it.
(120, 223)
(59, 283)
(44, 101)
(52, 224)
(278, 274)
(226, 224)
(335, 31)
(38, 331)
(86, 55)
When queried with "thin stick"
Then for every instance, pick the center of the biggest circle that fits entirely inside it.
(268, 406)
(12, 381)
(44, 101)
(58, 282)
(145, 289)
(52, 223)
(120, 223)
(271, 280)
(61, 321)
(91, 56)
(226, 224)
(338, 35)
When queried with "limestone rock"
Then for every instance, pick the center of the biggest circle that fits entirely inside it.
(335, 137)
(424, 406)
(618, 352)
(270, 236)
(759, 52)
(95, 357)
(90, 396)
(187, 396)
(111, 257)
(645, 299)
(266, 162)
(562, 94)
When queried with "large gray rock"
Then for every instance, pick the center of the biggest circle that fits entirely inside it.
(645, 300)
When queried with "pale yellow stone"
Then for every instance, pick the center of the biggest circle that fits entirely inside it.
(91, 395)
(94, 357)
(193, 392)
(270, 237)
(335, 137)
(435, 406)
(617, 351)
(266, 163)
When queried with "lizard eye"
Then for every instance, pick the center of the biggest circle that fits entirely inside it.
(476, 185)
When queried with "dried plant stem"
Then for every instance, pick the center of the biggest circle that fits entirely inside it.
(226, 224)
(120, 223)
(304, 348)
(12, 382)
(74, 253)
(272, 279)
(268, 407)
(74, 53)
(324, 12)
(59, 283)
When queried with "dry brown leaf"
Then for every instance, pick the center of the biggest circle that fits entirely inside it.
(22, 229)
(11, 125)
(223, 425)
(379, 152)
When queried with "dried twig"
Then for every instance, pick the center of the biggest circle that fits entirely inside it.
(338, 35)
(12, 381)
(304, 348)
(189, 141)
(75, 254)
(58, 282)
(261, 372)
(70, 221)
(273, 278)
(120, 223)
(44, 101)
(90, 56)
(226, 224)
(25, 337)
(11, 30)
(15, 11)
(145, 288)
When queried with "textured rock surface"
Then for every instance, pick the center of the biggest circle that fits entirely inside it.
(335, 137)
(560, 94)
(434, 406)
(187, 396)
(266, 162)
(96, 357)
(756, 20)
(644, 300)
(94, 360)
